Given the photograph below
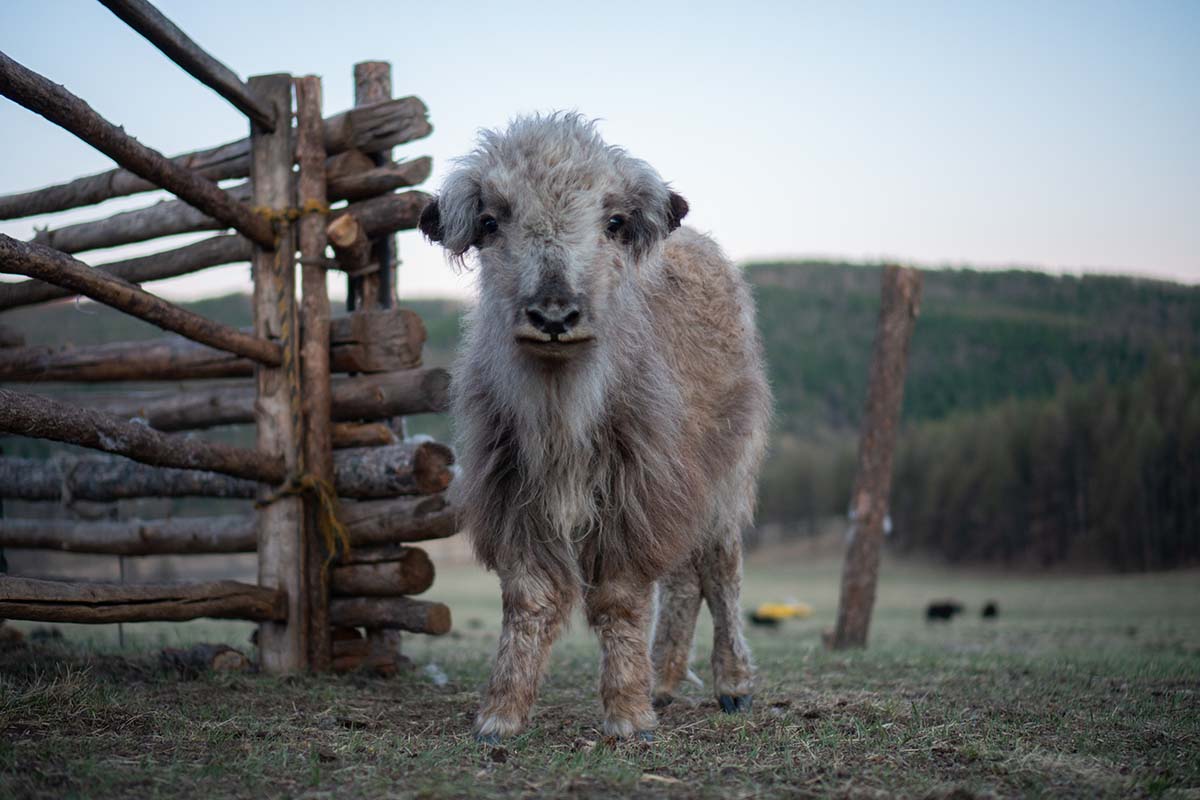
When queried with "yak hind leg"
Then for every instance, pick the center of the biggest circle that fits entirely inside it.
(721, 585)
(535, 610)
(678, 606)
(619, 611)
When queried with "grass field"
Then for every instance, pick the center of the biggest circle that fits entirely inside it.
(1084, 686)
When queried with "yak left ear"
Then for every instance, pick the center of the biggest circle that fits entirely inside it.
(678, 210)
(431, 221)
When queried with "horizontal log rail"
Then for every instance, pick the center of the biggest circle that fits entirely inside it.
(224, 249)
(179, 47)
(133, 537)
(166, 218)
(364, 341)
(379, 180)
(372, 524)
(404, 613)
(362, 397)
(95, 603)
(56, 104)
(367, 128)
(171, 217)
(46, 264)
(345, 435)
(410, 468)
(382, 572)
(10, 337)
(42, 418)
(387, 213)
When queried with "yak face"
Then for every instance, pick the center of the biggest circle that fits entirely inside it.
(563, 227)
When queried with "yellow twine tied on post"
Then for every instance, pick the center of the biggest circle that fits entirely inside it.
(334, 535)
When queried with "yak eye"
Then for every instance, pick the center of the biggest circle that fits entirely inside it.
(615, 222)
(489, 224)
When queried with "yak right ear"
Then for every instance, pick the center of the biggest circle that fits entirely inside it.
(452, 218)
(431, 222)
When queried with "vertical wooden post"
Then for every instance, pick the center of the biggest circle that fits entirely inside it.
(372, 84)
(283, 647)
(314, 355)
(3, 560)
(900, 302)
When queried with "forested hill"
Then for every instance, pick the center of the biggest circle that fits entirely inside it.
(982, 337)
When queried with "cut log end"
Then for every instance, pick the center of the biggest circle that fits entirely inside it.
(431, 467)
(403, 613)
(384, 572)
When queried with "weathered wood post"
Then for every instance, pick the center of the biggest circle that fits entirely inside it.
(899, 305)
(318, 402)
(283, 646)
(373, 84)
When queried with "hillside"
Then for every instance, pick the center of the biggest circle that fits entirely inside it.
(1047, 419)
(982, 338)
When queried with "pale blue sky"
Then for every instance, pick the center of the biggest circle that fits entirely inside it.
(1058, 135)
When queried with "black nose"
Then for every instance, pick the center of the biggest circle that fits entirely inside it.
(553, 319)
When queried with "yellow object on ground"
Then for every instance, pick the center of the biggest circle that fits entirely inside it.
(782, 611)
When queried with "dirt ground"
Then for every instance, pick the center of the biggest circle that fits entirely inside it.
(1083, 686)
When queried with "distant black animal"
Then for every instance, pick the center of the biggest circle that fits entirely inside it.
(990, 610)
(942, 610)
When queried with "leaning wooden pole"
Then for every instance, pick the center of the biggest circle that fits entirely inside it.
(282, 646)
(44, 263)
(314, 358)
(179, 47)
(224, 249)
(900, 302)
(42, 418)
(368, 129)
(56, 104)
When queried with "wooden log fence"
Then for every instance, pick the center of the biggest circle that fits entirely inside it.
(42, 418)
(317, 402)
(171, 217)
(393, 488)
(212, 252)
(372, 524)
(359, 473)
(392, 213)
(94, 603)
(133, 537)
(386, 572)
(365, 341)
(365, 184)
(49, 265)
(368, 128)
(362, 397)
(361, 434)
(10, 337)
(179, 47)
(373, 84)
(56, 104)
(405, 613)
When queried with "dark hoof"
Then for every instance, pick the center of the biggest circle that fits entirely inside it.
(643, 736)
(735, 703)
(663, 700)
(490, 739)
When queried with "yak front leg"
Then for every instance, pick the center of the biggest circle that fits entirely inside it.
(535, 610)
(620, 613)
